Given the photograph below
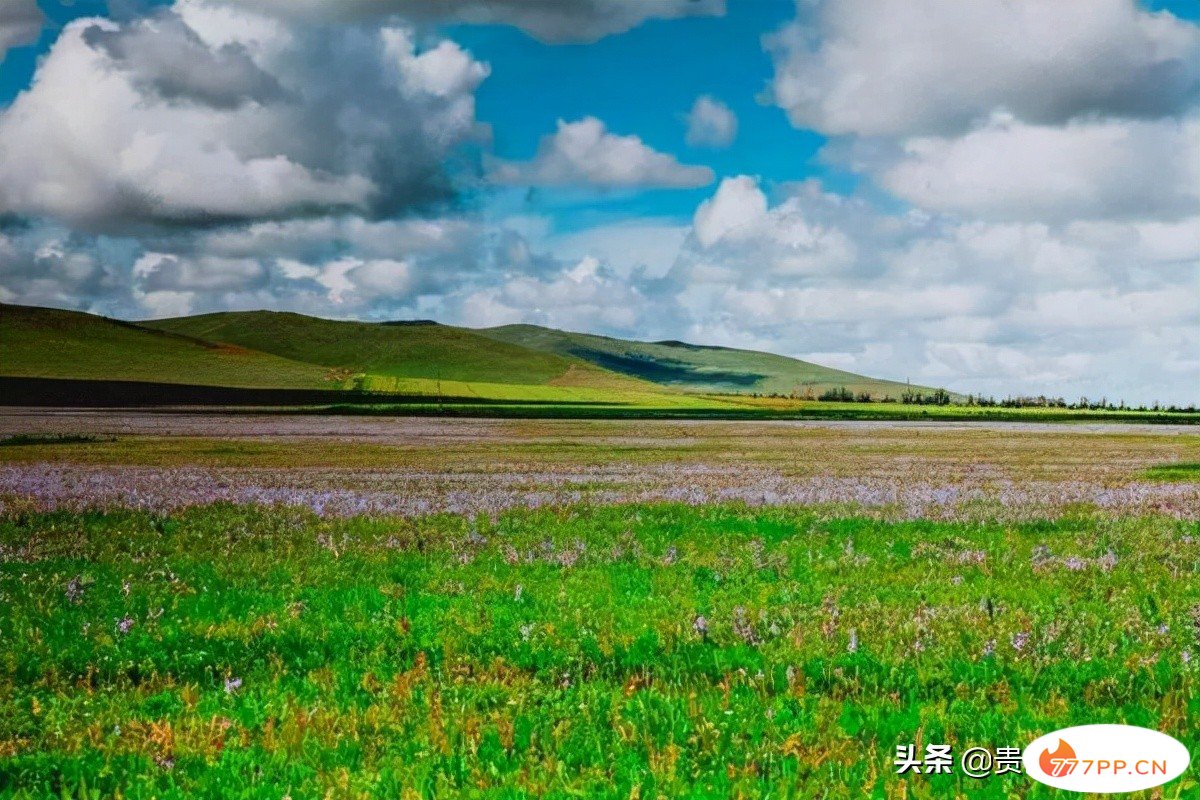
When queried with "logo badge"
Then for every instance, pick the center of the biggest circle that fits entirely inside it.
(1105, 759)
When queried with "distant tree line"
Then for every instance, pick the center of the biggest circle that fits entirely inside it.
(941, 397)
(914, 397)
(840, 394)
(1083, 403)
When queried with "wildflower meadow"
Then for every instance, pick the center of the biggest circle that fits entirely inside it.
(566, 610)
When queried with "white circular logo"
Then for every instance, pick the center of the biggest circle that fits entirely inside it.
(1105, 759)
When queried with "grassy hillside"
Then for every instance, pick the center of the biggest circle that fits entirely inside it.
(513, 363)
(696, 367)
(51, 343)
(406, 350)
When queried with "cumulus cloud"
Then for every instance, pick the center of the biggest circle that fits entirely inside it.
(20, 23)
(42, 264)
(167, 59)
(1002, 110)
(1013, 170)
(551, 21)
(737, 216)
(196, 116)
(330, 266)
(229, 154)
(936, 67)
(167, 284)
(711, 123)
(585, 296)
(642, 247)
(736, 208)
(585, 153)
(977, 305)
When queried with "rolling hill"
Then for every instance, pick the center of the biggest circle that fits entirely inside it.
(378, 351)
(51, 343)
(515, 363)
(696, 368)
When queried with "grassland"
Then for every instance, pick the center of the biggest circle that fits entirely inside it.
(424, 368)
(48, 343)
(553, 372)
(1177, 471)
(410, 350)
(524, 402)
(698, 368)
(223, 605)
(575, 391)
(639, 651)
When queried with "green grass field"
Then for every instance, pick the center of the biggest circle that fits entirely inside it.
(242, 652)
(251, 606)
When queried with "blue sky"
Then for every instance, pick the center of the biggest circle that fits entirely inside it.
(998, 196)
(645, 82)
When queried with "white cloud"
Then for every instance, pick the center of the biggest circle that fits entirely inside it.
(904, 67)
(169, 272)
(128, 124)
(168, 285)
(20, 23)
(711, 123)
(583, 297)
(998, 307)
(166, 59)
(586, 153)
(385, 277)
(552, 21)
(1011, 170)
(736, 208)
(645, 246)
(42, 265)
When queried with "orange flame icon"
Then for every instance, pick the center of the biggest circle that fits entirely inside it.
(1060, 762)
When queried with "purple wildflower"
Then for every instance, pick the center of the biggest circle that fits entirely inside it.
(742, 627)
(75, 590)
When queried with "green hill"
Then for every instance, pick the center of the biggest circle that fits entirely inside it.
(266, 349)
(697, 367)
(407, 350)
(51, 343)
